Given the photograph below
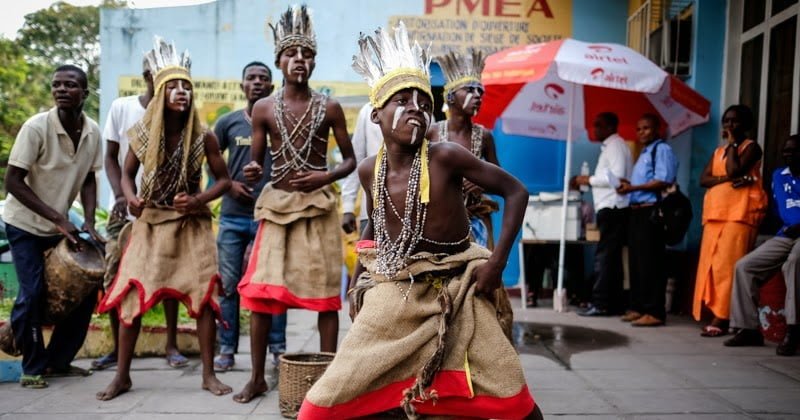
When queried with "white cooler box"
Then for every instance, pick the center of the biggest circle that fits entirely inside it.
(543, 217)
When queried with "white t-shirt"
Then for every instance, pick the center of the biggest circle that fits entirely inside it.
(124, 113)
(367, 139)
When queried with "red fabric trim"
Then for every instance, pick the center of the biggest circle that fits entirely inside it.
(165, 293)
(271, 299)
(160, 294)
(454, 399)
(365, 244)
(274, 299)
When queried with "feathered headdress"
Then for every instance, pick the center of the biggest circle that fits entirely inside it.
(390, 64)
(147, 134)
(461, 70)
(294, 29)
(165, 63)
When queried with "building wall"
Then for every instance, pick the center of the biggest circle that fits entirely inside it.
(707, 70)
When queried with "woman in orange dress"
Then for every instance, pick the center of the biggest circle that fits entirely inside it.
(734, 205)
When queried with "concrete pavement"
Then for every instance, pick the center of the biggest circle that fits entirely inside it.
(577, 368)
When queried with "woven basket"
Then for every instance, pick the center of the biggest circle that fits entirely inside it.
(297, 373)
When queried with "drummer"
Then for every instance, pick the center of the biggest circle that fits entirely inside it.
(55, 156)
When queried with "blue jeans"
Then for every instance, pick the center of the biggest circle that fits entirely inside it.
(27, 250)
(235, 233)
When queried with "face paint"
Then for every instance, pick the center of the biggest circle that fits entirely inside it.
(427, 120)
(173, 96)
(397, 113)
(294, 59)
(414, 100)
(414, 135)
(466, 100)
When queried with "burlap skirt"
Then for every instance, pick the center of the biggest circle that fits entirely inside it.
(168, 255)
(296, 260)
(441, 329)
(118, 231)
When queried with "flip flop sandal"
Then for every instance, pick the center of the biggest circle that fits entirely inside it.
(223, 363)
(104, 362)
(33, 382)
(712, 331)
(177, 360)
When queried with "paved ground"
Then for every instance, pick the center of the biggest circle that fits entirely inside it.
(578, 368)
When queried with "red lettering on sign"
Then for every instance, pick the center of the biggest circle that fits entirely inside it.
(540, 6)
(431, 4)
(502, 8)
(472, 5)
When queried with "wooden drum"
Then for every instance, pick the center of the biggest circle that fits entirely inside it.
(70, 276)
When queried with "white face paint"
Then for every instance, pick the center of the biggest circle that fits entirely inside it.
(466, 100)
(427, 120)
(173, 95)
(299, 57)
(414, 100)
(414, 135)
(397, 113)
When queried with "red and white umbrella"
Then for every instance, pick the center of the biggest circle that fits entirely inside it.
(554, 90)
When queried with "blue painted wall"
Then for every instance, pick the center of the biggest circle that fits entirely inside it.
(707, 67)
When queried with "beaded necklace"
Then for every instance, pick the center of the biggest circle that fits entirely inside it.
(476, 145)
(476, 138)
(393, 255)
(297, 158)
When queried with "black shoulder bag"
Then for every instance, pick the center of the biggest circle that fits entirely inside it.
(673, 210)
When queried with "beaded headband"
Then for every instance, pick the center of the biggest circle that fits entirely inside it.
(391, 64)
(295, 28)
(166, 64)
(460, 70)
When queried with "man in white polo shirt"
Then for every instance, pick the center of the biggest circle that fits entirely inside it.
(615, 162)
(55, 156)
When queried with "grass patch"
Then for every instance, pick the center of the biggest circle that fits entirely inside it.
(153, 318)
(5, 308)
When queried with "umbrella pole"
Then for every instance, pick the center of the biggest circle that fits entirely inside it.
(559, 299)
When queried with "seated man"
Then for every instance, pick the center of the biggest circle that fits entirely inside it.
(780, 252)
(427, 328)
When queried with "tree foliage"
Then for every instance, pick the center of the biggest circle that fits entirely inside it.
(23, 92)
(59, 34)
(67, 34)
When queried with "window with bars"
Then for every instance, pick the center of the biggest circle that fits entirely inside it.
(662, 31)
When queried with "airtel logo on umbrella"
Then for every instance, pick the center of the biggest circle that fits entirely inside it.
(599, 74)
(599, 48)
(553, 91)
(603, 53)
(548, 130)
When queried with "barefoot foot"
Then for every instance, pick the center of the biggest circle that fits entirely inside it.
(215, 386)
(250, 391)
(117, 387)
